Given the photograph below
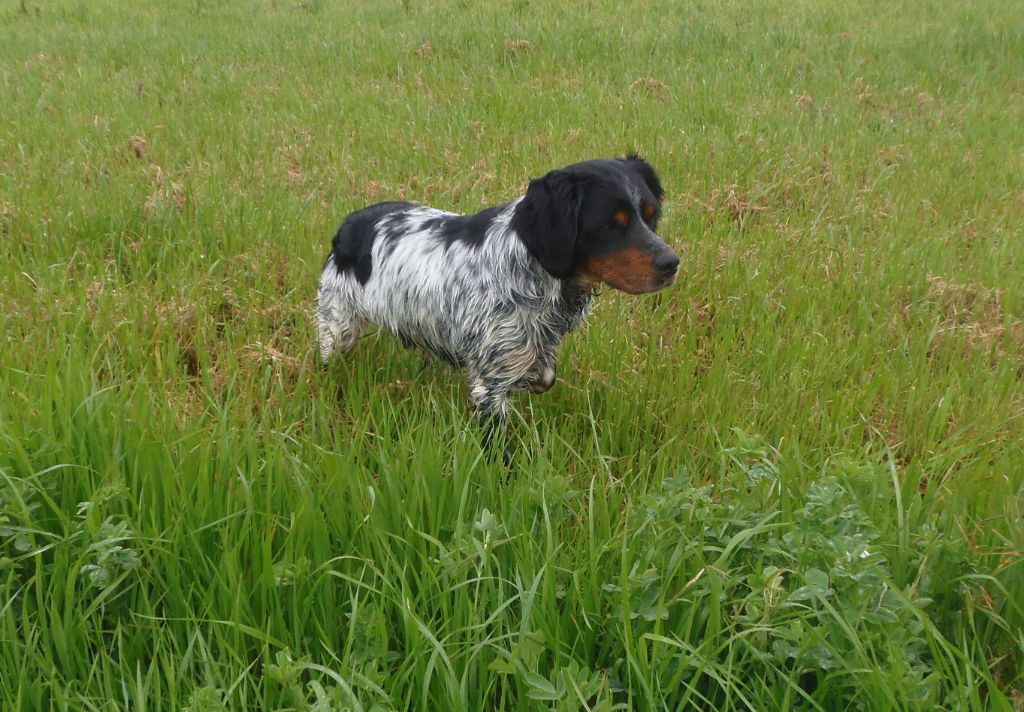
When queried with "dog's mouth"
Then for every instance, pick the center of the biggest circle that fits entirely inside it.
(644, 288)
(633, 271)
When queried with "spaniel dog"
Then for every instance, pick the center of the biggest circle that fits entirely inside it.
(495, 292)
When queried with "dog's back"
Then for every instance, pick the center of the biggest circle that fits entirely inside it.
(433, 278)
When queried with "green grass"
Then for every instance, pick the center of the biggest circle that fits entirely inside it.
(792, 481)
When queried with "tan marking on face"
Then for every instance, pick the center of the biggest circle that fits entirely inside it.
(630, 270)
(648, 211)
(621, 218)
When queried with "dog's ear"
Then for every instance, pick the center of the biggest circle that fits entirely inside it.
(646, 172)
(547, 221)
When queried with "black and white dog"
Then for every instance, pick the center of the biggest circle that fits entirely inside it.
(496, 292)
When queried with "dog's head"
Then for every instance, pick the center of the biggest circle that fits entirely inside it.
(595, 222)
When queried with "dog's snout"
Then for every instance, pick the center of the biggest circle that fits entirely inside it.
(667, 263)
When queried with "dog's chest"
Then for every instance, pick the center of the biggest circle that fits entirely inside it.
(560, 315)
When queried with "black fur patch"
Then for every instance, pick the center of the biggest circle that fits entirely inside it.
(353, 244)
(547, 221)
(647, 173)
(469, 230)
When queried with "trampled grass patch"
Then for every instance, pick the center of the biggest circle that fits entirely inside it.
(792, 481)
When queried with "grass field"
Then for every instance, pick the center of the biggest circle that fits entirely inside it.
(792, 481)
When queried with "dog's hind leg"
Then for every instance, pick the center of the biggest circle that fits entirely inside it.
(337, 324)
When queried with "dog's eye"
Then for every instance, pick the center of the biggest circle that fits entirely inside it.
(620, 219)
(648, 211)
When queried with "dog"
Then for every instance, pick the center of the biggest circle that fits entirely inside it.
(496, 292)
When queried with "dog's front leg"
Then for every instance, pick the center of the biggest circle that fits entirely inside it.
(490, 401)
(489, 398)
(542, 375)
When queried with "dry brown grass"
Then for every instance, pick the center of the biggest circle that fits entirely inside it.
(650, 88)
(166, 194)
(973, 315)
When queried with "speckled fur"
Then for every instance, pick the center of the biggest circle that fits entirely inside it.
(487, 307)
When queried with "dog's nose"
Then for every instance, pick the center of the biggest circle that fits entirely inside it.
(668, 263)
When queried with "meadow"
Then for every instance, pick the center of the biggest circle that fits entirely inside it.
(792, 481)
